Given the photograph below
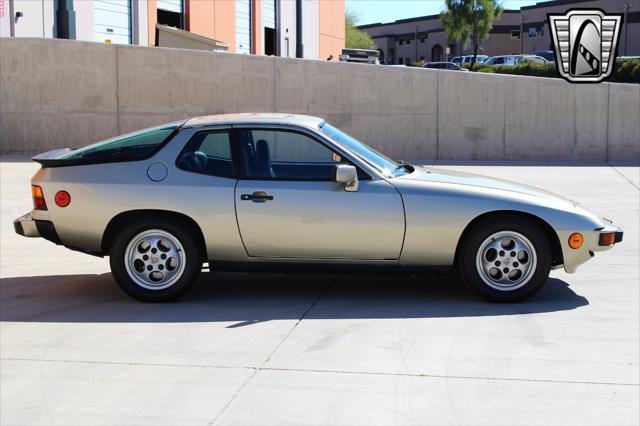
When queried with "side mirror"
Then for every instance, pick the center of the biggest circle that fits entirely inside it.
(348, 175)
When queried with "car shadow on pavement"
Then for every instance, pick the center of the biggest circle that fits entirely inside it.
(246, 299)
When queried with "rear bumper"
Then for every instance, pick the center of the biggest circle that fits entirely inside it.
(26, 226)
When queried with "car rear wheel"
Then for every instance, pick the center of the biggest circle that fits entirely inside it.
(505, 259)
(155, 260)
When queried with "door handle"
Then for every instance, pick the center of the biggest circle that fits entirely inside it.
(257, 196)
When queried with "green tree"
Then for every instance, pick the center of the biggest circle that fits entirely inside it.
(355, 38)
(470, 21)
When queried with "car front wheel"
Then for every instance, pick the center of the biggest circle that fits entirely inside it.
(155, 261)
(505, 259)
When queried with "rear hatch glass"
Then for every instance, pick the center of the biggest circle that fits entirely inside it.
(132, 146)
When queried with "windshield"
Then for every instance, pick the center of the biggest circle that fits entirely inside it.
(136, 145)
(379, 161)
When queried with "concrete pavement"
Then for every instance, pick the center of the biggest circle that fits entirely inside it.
(295, 349)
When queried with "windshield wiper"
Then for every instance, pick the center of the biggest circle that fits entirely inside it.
(405, 165)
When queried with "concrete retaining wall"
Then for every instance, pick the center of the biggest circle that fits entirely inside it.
(56, 93)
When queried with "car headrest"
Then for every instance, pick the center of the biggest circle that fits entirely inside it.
(262, 152)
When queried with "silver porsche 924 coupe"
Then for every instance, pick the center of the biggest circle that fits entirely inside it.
(250, 192)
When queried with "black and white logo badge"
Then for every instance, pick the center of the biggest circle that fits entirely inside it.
(585, 42)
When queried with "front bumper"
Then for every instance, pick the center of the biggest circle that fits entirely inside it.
(26, 226)
(608, 229)
(592, 244)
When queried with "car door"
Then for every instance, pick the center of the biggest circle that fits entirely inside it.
(289, 206)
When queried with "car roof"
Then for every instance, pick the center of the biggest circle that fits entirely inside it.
(254, 118)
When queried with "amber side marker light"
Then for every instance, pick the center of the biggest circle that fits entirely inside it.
(575, 240)
(38, 198)
(607, 239)
(62, 198)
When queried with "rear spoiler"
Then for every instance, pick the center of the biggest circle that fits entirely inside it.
(52, 158)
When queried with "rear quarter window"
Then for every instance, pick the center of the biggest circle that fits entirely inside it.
(132, 146)
(208, 153)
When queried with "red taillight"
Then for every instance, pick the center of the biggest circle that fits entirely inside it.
(38, 198)
(62, 198)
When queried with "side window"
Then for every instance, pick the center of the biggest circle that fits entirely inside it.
(207, 153)
(285, 155)
(498, 61)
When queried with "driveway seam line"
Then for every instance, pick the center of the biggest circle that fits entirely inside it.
(624, 177)
(140, 364)
(443, 376)
(304, 370)
(261, 366)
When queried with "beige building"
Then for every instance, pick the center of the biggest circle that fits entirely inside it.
(535, 26)
(423, 38)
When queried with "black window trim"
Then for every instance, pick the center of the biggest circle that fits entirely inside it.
(281, 127)
(205, 130)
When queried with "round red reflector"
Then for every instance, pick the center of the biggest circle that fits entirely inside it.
(62, 198)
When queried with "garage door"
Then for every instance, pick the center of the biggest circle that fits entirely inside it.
(269, 13)
(170, 5)
(112, 21)
(243, 26)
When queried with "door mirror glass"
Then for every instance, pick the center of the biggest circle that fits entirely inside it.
(348, 175)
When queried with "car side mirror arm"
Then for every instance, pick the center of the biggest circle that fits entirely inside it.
(347, 175)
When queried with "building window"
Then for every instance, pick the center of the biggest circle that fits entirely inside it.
(408, 41)
(515, 33)
(536, 32)
(407, 61)
(171, 13)
(400, 41)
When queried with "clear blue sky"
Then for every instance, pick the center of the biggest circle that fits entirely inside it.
(371, 11)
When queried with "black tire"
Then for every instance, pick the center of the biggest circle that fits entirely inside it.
(479, 233)
(184, 281)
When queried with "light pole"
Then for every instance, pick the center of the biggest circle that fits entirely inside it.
(416, 58)
(627, 6)
(521, 29)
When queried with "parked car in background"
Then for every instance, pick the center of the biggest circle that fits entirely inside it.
(361, 56)
(461, 60)
(512, 60)
(549, 55)
(281, 192)
(444, 66)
